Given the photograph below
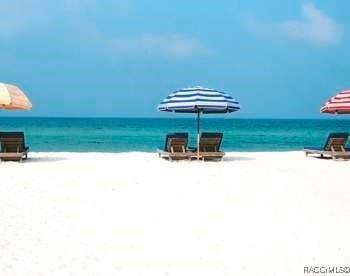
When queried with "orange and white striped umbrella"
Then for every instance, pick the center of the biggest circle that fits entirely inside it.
(11, 97)
(339, 104)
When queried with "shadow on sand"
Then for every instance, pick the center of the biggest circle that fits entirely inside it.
(44, 159)
(238, 158)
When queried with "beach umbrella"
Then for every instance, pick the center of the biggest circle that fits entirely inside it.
(339, 104)
(199, 100)
(12, 98)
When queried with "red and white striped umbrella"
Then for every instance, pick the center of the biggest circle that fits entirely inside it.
(339, 104)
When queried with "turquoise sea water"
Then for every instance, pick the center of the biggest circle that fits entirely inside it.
(131, 134)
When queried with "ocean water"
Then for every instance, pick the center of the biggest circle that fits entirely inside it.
(146, 134)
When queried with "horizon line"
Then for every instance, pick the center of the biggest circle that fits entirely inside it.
(165, 118)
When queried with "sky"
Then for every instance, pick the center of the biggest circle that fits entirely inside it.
(120, 58)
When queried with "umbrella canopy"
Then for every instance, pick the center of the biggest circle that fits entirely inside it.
(11, 97)
(199, 100)
(339, 104)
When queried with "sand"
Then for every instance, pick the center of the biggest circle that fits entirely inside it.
(135, 214)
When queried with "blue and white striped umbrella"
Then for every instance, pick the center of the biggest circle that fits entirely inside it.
(199, 100)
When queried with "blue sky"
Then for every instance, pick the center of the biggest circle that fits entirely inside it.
(279, 59)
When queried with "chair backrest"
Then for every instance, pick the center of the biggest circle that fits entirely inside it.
(210, 141)
(12, 141)
(176, 142)
(336, 140)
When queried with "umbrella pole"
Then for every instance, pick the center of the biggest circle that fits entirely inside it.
(198, 118)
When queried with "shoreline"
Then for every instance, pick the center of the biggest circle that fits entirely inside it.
(273, 159)
(153, 152)
(137, 156)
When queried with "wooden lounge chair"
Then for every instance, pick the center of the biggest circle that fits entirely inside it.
(209, 146)
(13, 146)
(175, 147)
(334, 147)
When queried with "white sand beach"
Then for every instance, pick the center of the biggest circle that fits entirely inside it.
(135, 214)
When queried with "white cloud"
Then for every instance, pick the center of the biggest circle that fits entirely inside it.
(315, 27)
(80, 26)
(151, 45)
